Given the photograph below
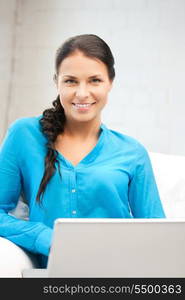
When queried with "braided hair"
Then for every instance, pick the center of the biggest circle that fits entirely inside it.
(53, 119)
(52, 124)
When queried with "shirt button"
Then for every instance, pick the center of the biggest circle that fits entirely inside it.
(74, 212)
(73, 190)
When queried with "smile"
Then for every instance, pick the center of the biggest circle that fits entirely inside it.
(84, 106)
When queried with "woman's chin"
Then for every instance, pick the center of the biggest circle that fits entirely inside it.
(84, 118)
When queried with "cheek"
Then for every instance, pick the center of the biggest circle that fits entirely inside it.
(65, 95)
(102, 94)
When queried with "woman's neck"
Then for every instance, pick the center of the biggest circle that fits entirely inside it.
(82, 130)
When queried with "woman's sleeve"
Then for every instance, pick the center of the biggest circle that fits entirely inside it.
(144, 197)
(33, 236)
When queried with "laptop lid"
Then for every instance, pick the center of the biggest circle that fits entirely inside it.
(117, 248)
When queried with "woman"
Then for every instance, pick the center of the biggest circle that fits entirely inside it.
(66, 163)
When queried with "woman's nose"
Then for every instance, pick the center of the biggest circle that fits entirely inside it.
(82, 91)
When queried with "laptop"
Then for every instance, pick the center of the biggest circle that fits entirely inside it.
(120, 248)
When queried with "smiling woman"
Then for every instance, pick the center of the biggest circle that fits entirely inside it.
(66, 163)
(83, 91)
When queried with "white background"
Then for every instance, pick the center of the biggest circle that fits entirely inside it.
(147, 38)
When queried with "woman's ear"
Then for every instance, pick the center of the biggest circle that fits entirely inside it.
(55, 78)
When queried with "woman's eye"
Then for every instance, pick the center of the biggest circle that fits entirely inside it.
(96, 80)
(70, 81)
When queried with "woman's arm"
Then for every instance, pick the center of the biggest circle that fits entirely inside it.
(144, 197)
(33, 236)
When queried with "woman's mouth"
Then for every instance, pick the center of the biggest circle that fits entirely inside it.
(83, 107)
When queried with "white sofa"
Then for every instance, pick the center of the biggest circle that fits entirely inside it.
(13, 259)
(169, 172)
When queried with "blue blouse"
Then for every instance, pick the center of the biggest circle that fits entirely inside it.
(115, 180)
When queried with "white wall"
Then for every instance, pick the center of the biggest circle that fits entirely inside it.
(147, 38)
(7, 34)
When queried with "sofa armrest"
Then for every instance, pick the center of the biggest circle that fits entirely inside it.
(13, 259)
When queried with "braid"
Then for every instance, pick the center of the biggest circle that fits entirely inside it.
(52, 124)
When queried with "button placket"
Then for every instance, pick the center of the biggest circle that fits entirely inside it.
(73, 192)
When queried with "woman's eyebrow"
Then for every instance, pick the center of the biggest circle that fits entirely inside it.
(74, 77)
(96, 75)
(71, 76)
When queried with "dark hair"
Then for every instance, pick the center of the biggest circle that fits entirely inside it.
(53, 119)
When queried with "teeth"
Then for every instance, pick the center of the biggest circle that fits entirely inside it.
(82, 105)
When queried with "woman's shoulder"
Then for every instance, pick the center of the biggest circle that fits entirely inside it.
(25, 129)
(25, 122)
(129, 145)
(121, 138)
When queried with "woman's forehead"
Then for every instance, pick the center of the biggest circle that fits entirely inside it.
(78, 62)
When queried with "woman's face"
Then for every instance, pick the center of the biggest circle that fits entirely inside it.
(83, 86)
